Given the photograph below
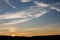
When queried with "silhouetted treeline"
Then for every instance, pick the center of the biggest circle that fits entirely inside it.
(50, 37)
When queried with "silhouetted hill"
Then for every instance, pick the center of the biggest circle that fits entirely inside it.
(50, 37)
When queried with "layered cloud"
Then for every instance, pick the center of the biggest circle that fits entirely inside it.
(25, 15)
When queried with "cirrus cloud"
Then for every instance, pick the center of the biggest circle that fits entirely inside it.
(26, 15)
(10, 4)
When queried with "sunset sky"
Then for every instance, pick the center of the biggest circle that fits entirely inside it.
(29, 17)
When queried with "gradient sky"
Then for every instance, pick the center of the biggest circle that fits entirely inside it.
(29, 17)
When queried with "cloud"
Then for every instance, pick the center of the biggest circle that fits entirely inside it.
(10, 4)
(38, 14)
(12, 15)
(15, 22)
(10, 29)
(55, 9)
(41, 4)
(44, 5)
(26, 0)
(26, 15)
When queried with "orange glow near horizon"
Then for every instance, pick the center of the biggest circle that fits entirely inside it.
(13, 35)
(31, 34)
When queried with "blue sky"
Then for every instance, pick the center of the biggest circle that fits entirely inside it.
(30, 16)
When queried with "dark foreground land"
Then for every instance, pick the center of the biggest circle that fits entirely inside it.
(50, 37)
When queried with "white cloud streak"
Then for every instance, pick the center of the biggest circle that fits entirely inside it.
(12, 15)
(55, 9)
(10, 4)
(40, 4)
(15, 22)
(40, 14)
(25, 0)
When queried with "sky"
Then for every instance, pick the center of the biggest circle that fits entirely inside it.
(29, 17)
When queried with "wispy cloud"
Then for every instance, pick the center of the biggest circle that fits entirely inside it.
(10, 29)
(41, 4)
(28, 14)
(38, 14)
(10, 4)
(15, 22)
(12, 15)
(26, 0)
(57, 9)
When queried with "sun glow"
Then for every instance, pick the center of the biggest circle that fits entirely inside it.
(13, 35)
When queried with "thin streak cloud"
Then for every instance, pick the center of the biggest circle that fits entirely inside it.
(15, 22)
(55, 9)
(10, 4)
(26, 0)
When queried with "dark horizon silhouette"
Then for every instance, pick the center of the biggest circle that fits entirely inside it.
(49, 37)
